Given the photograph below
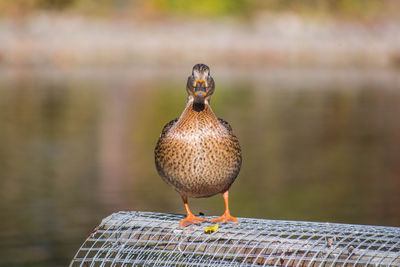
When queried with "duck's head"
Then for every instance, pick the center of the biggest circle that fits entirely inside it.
(200, 85)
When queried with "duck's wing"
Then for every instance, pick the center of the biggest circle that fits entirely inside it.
(233, 138)
(234, 144)
(167, 127)
(226, 125)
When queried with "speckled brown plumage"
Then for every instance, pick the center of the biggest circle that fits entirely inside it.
(198, 154)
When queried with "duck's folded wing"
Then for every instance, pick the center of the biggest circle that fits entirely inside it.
(167, 127)
(226, 125)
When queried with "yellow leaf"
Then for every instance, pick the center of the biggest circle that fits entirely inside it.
(211, 229)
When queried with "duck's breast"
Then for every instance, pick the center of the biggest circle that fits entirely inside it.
(199, 158)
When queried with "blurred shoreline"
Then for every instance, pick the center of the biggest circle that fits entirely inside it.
(284, 40)
(261, 78)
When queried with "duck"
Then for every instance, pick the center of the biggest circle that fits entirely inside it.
(198, 154)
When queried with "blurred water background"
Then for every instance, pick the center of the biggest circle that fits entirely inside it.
(311, 88)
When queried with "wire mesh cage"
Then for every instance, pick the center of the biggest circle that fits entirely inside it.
(155, 239)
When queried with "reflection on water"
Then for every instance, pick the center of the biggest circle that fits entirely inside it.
(74, 150)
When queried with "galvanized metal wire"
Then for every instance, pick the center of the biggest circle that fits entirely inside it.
(155, 239)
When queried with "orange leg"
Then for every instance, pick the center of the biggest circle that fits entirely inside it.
(190, 218)
(226, 217)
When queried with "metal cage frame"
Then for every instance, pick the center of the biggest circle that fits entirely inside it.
(155, 239)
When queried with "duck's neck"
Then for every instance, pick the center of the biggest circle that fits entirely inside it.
(198, 107)
(197, 111)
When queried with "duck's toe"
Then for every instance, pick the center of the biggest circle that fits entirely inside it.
(191, 219)
(226, 217)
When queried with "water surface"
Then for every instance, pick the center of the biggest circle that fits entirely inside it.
(75, 147)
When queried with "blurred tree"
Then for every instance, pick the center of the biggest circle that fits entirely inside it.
(203, 8)
(55, 4)
(208, 8)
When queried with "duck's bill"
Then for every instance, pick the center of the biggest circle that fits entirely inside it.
(200, 92)
(200, 88)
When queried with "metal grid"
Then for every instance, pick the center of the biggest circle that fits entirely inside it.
(155, 239)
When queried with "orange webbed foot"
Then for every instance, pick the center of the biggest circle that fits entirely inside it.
(191, 219)
(226, 217)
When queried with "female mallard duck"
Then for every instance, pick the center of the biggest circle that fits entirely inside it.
(198, 154)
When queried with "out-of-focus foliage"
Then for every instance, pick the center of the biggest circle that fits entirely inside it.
(205, 8)
(202, 8)
(333, 7)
